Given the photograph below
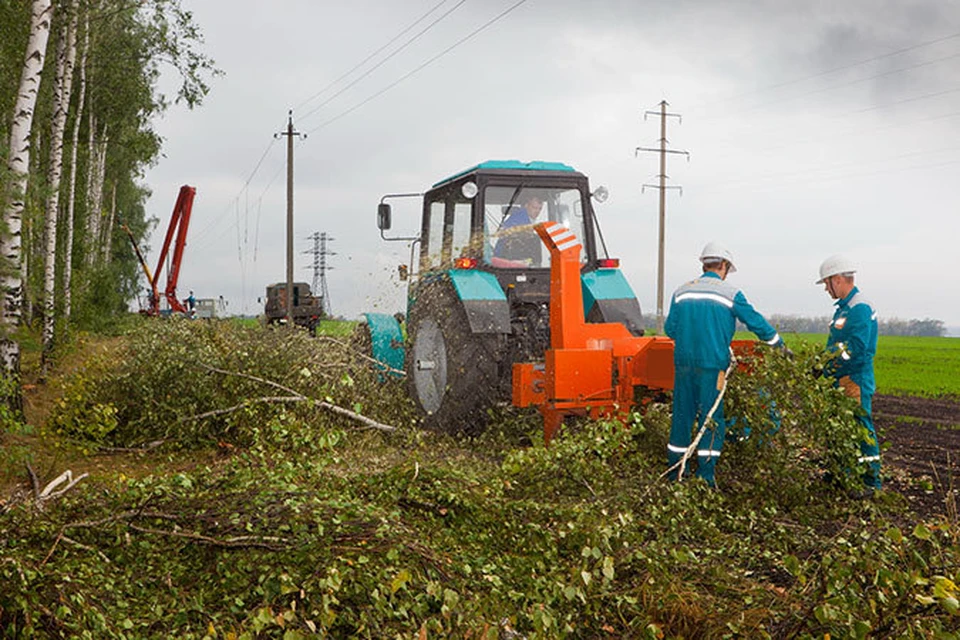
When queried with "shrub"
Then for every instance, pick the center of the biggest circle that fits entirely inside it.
(203, 382)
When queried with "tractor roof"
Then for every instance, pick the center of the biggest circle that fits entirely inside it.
(499, 166)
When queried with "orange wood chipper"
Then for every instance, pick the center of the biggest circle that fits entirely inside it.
(590, 368)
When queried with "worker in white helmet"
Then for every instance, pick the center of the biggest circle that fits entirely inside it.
(853, 343)
(702, 319)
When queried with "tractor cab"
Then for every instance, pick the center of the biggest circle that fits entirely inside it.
(479, 283)
(483, 217)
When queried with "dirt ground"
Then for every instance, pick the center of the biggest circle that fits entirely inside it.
(921, 451)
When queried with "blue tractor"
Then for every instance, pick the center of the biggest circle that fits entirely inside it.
(479, 285)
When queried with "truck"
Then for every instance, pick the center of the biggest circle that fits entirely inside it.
(479, 285)
(206, 308)
(307, 308)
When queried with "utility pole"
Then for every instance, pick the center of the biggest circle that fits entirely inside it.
(289, 133)
(320, 267)
(663, 151)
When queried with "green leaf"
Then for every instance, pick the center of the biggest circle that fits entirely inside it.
(402, 578)
(922, 532)
(944, 588)
(950, 604)
(608, 567)
(792, 564)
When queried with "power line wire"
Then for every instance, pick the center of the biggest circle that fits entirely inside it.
(210, 225)
(421, 67)
(753, 179)
(845, 84)
(369, 57)
(381, 63)
(831, 71)
(848, 133)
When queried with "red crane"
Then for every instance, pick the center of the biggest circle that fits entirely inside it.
(179, 222)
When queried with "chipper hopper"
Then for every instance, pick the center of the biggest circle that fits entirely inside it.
(590, 368)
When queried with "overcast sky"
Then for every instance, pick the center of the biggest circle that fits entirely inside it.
(813, 128)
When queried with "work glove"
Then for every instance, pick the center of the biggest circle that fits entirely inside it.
(787, 352)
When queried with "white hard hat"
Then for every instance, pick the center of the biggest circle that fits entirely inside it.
(836, 265)
(714, 251)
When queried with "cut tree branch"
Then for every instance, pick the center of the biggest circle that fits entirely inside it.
(362, 355)
(295, 396)
(262, 542)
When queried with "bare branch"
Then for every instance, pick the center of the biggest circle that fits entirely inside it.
(244, 404)
(35, 481)
(297, 397)
(262, 542)
(142, 449)
(67, 475)
(360, 354)
(254, 378)
(52, 548)
(88, 548)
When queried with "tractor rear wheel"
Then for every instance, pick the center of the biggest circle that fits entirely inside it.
(452, 373)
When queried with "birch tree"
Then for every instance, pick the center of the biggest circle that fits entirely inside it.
(72, 191)
(19, 163)
(63, 83)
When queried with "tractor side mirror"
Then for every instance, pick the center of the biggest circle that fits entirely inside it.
(383, 216)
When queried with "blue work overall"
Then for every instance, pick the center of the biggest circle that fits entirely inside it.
(702, 320)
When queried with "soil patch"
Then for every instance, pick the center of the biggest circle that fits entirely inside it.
(921, 440)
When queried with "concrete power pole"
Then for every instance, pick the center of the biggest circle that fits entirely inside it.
(663, 151)
(289, 133)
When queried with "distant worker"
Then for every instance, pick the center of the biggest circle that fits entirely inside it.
(517, 239)
(853, 343)
(191, 303)
(702, 319)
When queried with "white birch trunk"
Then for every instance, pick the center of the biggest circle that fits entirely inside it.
(108, 229)
(71, 200)
(96, 205)
(10, 247)
(91, 170)
(66, 58)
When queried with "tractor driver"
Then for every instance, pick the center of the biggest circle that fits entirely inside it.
(517, 239)
(702, 319)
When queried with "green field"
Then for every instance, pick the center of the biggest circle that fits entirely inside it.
(334, 328)
(903, 366)
(908, 366)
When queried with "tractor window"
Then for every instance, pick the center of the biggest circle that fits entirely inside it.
(448, 234)
(434, 241)
(461, 229)
(509, 216)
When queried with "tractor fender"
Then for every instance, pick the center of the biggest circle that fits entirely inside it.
(386, 340)
(484, 301)
(608, 297)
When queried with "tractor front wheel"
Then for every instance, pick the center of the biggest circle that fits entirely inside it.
(452, 373)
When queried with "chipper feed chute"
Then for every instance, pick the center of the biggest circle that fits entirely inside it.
(590, 368)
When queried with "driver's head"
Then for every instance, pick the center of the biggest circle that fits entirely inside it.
(533, 205)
